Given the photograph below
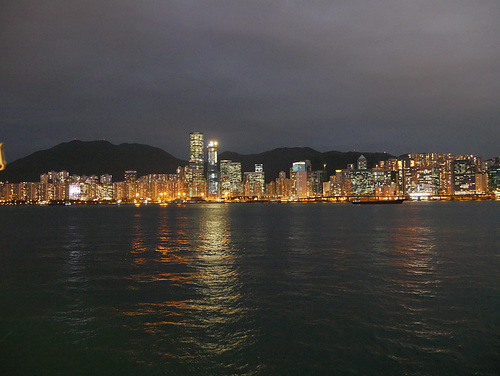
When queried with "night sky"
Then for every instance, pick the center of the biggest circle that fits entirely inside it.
(386, 75)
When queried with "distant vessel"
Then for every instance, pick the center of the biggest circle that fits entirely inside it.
(377, 201)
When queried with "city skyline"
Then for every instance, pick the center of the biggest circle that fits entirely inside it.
(396, 76)
(430, 176)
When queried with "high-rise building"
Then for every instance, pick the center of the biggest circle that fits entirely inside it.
(225, 182)
(196, 165)
(494, 178)
(255, 182)
(235, 179)
(230, 179)
(196, 158)
(315, 183)
(384, 181)
(282, 185)
(336, 184)
(463, 177)
(212, 172)
(362, 183)
(130, 185)
(298, 177)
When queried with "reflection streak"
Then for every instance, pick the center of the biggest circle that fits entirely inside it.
(191, 260)
(416, 284)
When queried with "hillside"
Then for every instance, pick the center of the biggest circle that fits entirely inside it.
(102, 157)
(281, 159)
(92, 158)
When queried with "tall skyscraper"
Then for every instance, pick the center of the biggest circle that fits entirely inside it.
(298, 175)
(230, 178)
(225, 181)
(196, 157)
(212, 172)
(235, 179)
(130, 185)
(196, 165)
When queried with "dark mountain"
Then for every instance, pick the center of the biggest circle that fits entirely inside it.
(281, 159)
(92, 158)
(102, 157)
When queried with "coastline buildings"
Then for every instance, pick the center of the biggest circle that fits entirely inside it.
(414, 176)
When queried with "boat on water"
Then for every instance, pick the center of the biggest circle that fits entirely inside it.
(378, 202)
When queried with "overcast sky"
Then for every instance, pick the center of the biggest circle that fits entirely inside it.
(383, 75)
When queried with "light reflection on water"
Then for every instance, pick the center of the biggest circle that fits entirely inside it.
(413, 281)
(76, 312)
(192, 260)
(252, 289)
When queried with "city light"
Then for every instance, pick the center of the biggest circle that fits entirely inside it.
(429, 176)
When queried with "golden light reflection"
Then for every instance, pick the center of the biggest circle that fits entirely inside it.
(414, 253)
(414, 280)
(138, 241)
(186, 277)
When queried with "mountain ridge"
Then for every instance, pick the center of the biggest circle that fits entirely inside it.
(92, 158)
(102, 157)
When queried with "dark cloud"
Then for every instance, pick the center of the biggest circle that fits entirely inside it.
(386, 75)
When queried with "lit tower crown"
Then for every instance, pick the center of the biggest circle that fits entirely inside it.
(196, 158)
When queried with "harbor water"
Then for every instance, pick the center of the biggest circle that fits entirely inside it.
(251, 289)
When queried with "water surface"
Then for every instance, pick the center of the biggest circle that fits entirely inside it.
(253, 289)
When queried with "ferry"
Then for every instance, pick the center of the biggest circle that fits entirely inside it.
(378, 201)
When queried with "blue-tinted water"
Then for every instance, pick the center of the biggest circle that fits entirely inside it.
(255, 289)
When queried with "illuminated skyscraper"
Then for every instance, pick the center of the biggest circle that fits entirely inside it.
(196, 165)
(494, 178)
(463, 176)
(298, 176)
(225, 181)
(255, 182)
(235, 178)
(212, 172)
(130, 185)
(196, 159)
(230, 179)
(361, 182)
